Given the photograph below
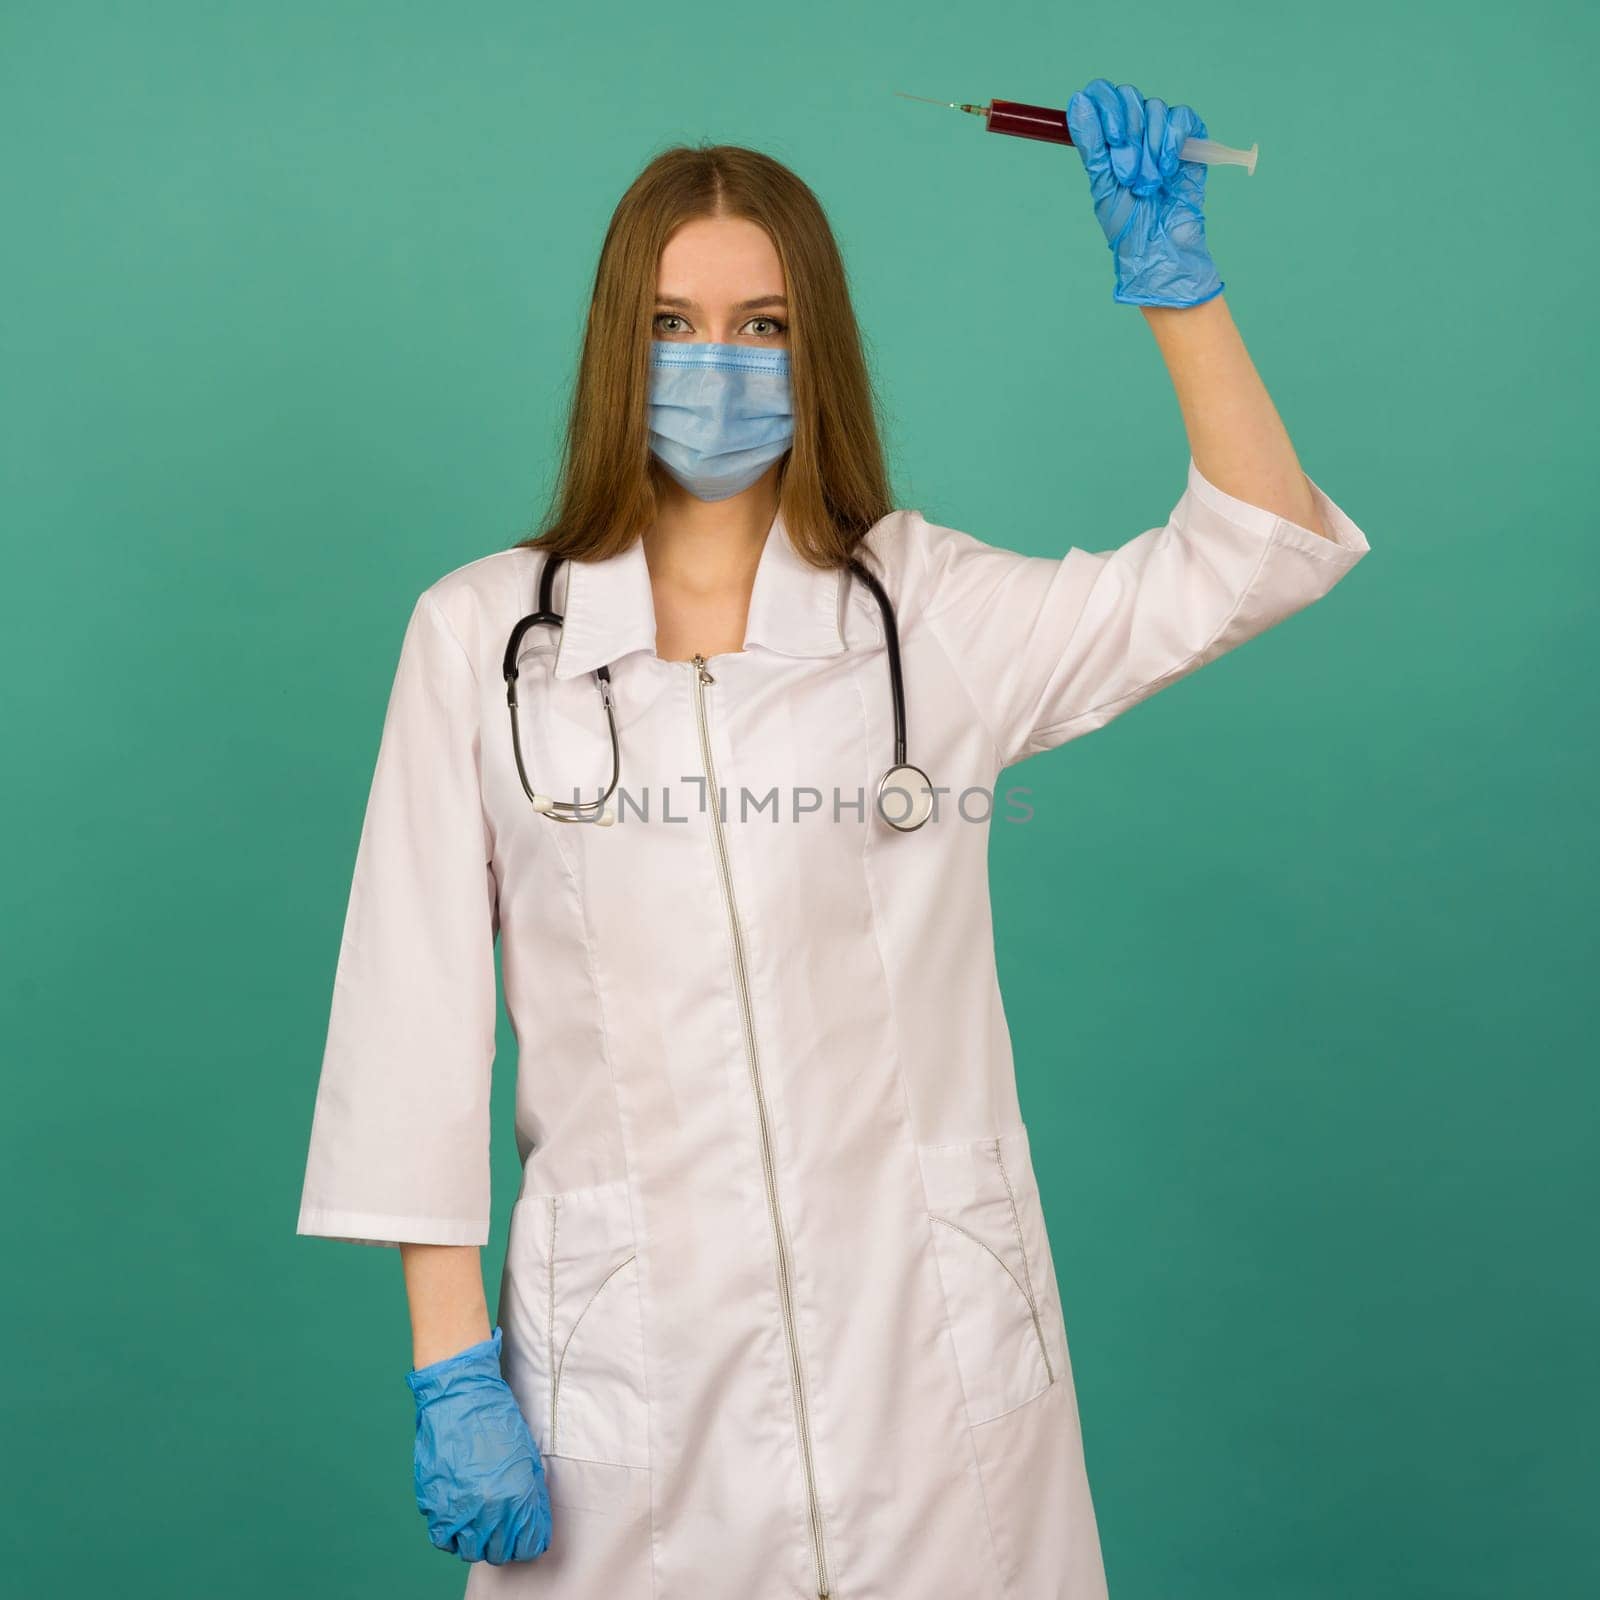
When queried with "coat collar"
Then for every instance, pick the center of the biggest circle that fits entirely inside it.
(795, 608)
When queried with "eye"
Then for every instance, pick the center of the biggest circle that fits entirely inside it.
(668, 316)
(773, 325)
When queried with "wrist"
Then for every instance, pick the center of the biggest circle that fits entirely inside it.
(1159, 313)
(1154, 297)
(477, 1361)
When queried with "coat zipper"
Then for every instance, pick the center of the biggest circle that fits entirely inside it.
(796, 1378)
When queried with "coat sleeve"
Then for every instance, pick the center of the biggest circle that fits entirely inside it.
(400, 1130)
(1053, 648)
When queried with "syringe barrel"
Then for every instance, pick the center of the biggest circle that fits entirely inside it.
(1028, 122)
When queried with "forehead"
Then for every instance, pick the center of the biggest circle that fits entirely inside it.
(713, 259)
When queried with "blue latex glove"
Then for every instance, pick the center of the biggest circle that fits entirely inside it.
(1148, 202)
(479, 1479)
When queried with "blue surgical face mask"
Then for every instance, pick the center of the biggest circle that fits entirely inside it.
(720, 414)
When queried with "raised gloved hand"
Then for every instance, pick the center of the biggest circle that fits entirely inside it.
(1147, 200)
(479, 1479)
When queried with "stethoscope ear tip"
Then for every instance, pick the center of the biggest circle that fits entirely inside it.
(602, 818)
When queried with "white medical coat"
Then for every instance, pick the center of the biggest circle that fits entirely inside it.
(779, 1302)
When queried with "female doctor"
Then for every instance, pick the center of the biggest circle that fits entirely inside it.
(779, 1314)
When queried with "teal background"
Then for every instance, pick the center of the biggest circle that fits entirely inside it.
(1293, 955)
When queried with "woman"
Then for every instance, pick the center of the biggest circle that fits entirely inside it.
(779, 1315)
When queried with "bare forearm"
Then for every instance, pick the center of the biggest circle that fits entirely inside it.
(1236, 436)
(444, 1289)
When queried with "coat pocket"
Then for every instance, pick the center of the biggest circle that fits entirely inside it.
(574, 1340)
(994, 1262)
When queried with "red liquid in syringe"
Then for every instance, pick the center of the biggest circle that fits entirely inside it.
(1026, 122)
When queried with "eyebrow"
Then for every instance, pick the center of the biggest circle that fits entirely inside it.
(743, 305)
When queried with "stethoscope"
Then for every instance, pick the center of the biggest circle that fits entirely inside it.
(903, 779)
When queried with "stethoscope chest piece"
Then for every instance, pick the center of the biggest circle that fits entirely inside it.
(905, 797)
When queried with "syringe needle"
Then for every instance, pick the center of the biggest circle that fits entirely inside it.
(978, 111)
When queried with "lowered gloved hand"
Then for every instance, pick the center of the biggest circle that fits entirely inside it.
(1147, 200)
(479, 1479)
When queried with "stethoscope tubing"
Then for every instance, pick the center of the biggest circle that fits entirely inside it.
(593, 810)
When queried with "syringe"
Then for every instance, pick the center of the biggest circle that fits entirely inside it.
(1045, 122)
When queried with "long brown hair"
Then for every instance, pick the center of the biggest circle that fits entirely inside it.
(832, 485)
